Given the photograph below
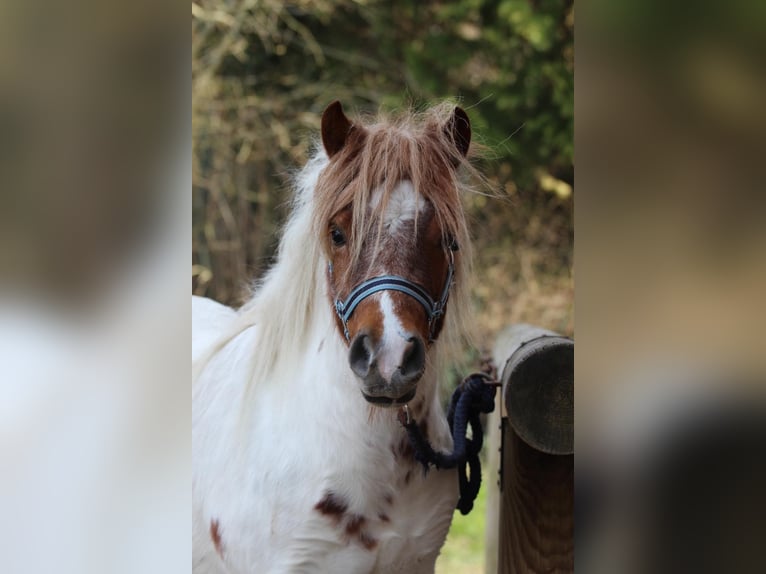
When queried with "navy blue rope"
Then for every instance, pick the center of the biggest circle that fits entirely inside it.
(471, 398)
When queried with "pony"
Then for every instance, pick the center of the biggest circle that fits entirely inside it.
(300, 463)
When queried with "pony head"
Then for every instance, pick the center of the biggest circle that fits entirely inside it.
(389, 218)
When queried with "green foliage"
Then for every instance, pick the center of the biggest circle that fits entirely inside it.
(263, 71)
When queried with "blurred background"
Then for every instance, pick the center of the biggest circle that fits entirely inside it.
(262, 73)
(671, 257)
(95, 232)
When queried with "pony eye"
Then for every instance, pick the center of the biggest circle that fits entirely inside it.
(338, 239)
(451, 243)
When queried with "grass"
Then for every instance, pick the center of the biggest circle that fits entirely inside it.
(463, 552)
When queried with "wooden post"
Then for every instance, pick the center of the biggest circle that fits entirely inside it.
(536, 516)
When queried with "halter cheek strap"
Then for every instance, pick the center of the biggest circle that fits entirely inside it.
(434, 309)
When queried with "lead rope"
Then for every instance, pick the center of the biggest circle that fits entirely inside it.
(473, 396)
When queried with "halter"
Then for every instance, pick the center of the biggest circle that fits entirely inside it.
(434, 309)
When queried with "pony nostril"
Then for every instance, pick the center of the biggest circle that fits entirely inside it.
(360, 355)
(414, 358)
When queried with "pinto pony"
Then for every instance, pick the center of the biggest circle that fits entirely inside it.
(299, 461)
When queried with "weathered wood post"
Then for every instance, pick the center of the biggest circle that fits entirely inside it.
(535, 526)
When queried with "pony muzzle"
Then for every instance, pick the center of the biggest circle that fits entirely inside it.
(388, 374)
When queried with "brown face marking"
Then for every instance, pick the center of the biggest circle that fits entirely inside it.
(332, 506)
(426, 265)
(417, 254)
(215, 536)
(367, 317)
(425, 149)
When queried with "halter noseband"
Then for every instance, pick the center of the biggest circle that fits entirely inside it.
(434, 309)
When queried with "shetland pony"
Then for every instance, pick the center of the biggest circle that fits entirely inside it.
(299, 461)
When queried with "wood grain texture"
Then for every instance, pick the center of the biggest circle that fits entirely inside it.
(534, 531)
(537, 514)
(538, 391)
(507, 342)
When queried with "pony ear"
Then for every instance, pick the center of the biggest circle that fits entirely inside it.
(335, 128)
(458, 129)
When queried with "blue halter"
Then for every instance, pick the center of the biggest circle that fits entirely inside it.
(434, 309)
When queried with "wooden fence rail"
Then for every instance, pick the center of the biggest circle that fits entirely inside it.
(530, 519)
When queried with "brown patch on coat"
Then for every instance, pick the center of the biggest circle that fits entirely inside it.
(332, 506)
(215, 536)
(355, 524)
(355, 531)
(405, 449)
(367, 541)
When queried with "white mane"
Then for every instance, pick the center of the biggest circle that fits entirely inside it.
(286, 300)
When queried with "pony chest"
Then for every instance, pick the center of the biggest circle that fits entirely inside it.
(396, 527)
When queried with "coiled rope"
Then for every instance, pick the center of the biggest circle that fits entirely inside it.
(473, 396)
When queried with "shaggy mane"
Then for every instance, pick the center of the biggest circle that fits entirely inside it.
(413, 146)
